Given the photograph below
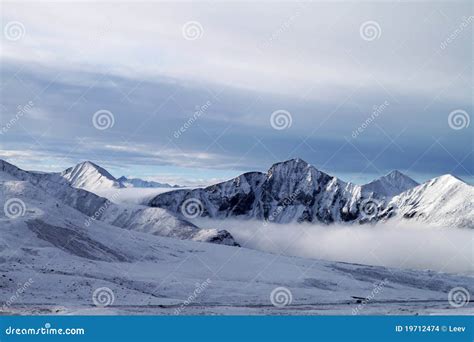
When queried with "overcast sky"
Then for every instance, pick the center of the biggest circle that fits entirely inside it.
(189, 89)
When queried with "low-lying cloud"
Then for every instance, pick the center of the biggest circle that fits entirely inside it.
(399, 245)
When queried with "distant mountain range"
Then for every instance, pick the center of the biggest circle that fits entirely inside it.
(56, 198)
(140, 183)
(92, 177)
(390, 185)
(294, 191)
(290, 191)
(73, 243)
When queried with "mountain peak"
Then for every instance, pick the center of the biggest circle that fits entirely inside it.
(90, 176)
(89, 164)
(288, 169)
(447, 179)
(295, 163)
(445, 200)
(395, 174)
(141, 183)
(391, 184)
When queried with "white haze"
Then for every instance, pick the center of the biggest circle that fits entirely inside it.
(399, 245)
(131, 195)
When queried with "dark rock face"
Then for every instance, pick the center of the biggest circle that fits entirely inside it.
(223, 237)
(291, 191)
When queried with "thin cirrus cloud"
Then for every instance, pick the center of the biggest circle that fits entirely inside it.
(248, 61)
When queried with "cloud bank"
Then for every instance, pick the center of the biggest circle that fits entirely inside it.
(316, 61)
(399, 245)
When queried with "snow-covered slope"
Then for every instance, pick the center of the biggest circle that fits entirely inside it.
(140, 183)
(294, 191)
(89, 176)
(53, 187)
(94, 178)
(445, 201)
(290, 191)
(58, 257)
(390, 185)
(58, 262)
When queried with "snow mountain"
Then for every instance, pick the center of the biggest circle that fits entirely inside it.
(290, 191)
(91, 177)
(52, 188)
(445, 201)
(294, 191)
(140, 183)
(60, 258)
(390, 185)
(61, 246)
